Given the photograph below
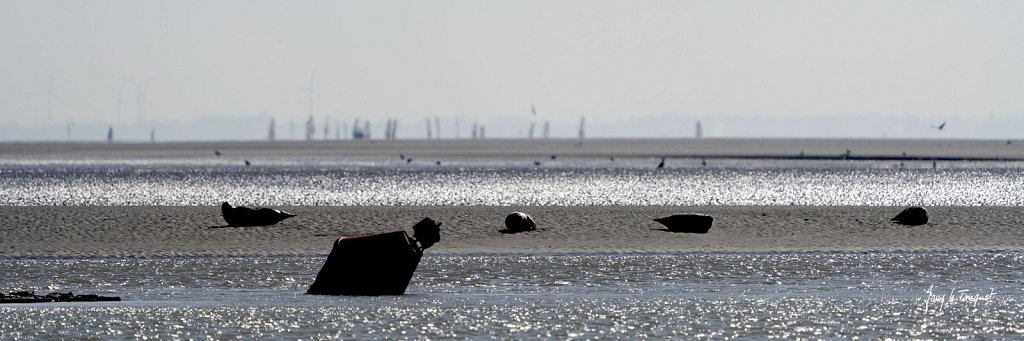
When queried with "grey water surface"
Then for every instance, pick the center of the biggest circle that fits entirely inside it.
(564, 296)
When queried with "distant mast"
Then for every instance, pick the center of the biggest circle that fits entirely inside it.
(700, 131)
(110, 135)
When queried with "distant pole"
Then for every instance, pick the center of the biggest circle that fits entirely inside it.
(700, 131)
(120, 95)
(547, 127)
(533, 112)
(327, 127)
(49, 101)
(437, 127)
(110, 135)
(310, 91)
(270, 133)
(310, 128)
(430, 134)
(473, 133)
(582, 121)
(152, 135)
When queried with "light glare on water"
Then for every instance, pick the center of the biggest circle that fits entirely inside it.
(571, 183)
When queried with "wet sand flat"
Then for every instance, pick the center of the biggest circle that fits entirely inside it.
(134, 231)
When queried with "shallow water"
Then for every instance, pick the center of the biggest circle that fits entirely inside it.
(509, 181)
(577, 296)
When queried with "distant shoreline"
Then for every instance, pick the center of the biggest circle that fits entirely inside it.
(708, 148)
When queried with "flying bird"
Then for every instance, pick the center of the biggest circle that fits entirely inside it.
(940, 126)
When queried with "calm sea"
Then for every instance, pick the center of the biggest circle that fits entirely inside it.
(940, 295)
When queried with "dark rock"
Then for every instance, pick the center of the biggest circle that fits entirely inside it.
(519, 222)
(687, 222)
(913, 216)
(31, 297)
(244, 216)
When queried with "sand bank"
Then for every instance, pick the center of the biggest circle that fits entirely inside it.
(167, 231)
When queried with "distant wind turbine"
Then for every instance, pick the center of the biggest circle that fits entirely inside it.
(311, 92)
(140, 96)
(51, 96)
(120, 98)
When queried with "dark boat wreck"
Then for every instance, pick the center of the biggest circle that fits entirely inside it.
(376, 264)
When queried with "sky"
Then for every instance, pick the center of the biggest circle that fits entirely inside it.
(217, 70)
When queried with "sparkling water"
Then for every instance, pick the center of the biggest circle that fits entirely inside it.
(567, 182)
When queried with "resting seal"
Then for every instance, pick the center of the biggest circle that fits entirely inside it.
(244, 216)
(913, 216)
(687, 222)
(518, 222)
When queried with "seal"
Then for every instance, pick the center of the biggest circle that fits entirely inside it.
(687, 222)
(912, 216)
(244, 216)
(518, 222)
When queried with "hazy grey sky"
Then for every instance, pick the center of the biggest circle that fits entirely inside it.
(744, 68)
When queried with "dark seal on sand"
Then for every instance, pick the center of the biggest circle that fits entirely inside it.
(519, 222)
(687, 222)
(913, 216)
(244, 216)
